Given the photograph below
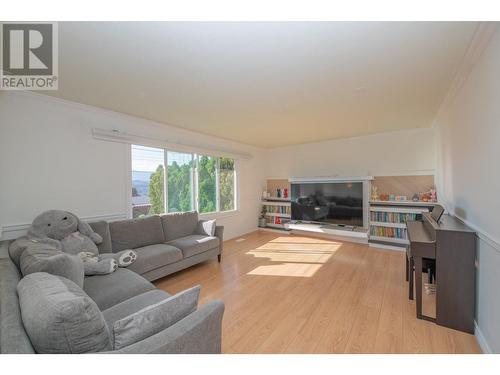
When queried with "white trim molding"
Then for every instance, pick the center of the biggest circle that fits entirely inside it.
(331, 179)
(483, 344)
(123, 137)
(481, 234)
(13, 231)
(484, 236)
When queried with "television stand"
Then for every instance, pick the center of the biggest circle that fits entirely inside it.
(345, 233)
(338, 226)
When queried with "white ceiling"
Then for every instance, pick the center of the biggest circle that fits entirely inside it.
(265, 84)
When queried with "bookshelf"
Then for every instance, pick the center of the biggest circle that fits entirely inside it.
(388, 221)
(278, 212)
(278, 208)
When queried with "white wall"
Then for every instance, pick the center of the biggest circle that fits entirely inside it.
(49, 159)
(468, 144)
(394, 153)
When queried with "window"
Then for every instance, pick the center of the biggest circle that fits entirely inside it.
(180, 182)
(148, 196)
(226, 184)
(207, 189)
(189, 182)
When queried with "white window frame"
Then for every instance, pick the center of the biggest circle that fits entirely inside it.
(194, 183)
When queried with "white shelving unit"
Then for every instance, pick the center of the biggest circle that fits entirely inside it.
(403, 203)
(274, 203)
(394, 224)
(405, 210)
(286, 216)
(276, 199)
(390, 239)
(387, 224)
(283, 217)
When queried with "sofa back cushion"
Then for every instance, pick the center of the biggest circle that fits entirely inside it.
(131, 234)
(39, 257)
(154, 318)
(59, 317)
(102, 228)
(179, 224)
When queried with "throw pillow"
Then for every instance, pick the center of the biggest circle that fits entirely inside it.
(206, 227)
(154, 318)
(59, 317)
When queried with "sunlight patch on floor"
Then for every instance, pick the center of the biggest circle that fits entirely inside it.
(287, 269)
(295, 256)
(327, 248)
(308, 240)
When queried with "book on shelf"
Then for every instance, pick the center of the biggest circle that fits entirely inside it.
(388, 232)
(279, 209)
(276, 220)
(392, 217)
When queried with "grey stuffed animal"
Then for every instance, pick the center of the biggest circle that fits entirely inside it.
(68, 233)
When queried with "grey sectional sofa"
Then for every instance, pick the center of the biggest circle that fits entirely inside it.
(164, 244)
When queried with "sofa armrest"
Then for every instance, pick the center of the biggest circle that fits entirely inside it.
(219, 233)
(198, 333)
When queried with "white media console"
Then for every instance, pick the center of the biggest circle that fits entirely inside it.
(353, 234)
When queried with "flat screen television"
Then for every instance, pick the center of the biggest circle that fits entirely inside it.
(339, 203)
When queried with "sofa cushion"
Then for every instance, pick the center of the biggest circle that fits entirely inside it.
(132, 305)
(195, 244)
(102, 228)
(39, 257)
(116, 287)
(179, 224)
(206, 227)
(131, 234)
(59, 317)
(13, 336)
(155, 318)
(17, 247)
(154, 256)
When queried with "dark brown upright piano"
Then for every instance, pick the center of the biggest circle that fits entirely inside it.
(453, 245)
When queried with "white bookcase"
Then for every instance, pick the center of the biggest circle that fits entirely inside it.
(278, 212)
(388, 221)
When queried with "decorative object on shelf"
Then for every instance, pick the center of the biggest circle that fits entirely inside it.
(384, 197)
(278, 193)
(433, 195)
(415, 198)
(264, 194)
(375, 196)
(392, 197)
(262, 218)
(285, 193)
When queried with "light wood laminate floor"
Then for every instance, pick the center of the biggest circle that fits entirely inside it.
(295, 294)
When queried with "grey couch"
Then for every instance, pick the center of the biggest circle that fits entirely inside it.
(164, 244)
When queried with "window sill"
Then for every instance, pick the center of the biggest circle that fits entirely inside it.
(218, 215)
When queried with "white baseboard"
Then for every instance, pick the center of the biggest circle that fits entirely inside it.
(483, 344)
(387, 247)
(13, 231)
